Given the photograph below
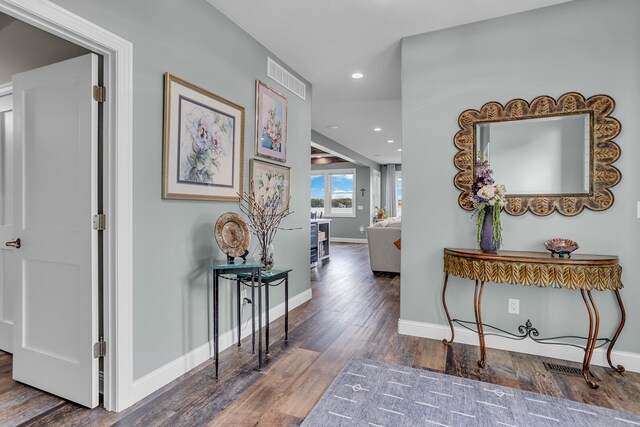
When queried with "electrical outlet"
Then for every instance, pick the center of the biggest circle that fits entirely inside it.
(245, 296)
(514, 306)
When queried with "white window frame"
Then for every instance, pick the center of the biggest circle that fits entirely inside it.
(328, 209)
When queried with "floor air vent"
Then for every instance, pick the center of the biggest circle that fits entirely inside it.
(563, 369)
(286, 79)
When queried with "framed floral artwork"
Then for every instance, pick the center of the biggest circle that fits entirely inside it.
(271, 123)
(270, 183)
(203, 145)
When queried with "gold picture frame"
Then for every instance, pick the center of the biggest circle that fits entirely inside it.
(603, 152)
(203, 144)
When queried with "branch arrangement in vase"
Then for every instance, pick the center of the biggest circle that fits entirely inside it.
(265, 213)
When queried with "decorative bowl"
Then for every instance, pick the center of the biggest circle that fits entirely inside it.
(232, 234)
(561, 247)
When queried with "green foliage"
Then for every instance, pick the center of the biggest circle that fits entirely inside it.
(377, 210)
(341, 203)
(481, 209)
(317, 203)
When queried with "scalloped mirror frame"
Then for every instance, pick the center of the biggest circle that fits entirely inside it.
(603, 152)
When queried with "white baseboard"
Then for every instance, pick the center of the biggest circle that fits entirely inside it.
(347, 240)
(162, 376)
(631, 361)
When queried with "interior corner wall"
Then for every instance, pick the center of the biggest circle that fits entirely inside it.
(349, 227)
(173, 239)
(588, 46)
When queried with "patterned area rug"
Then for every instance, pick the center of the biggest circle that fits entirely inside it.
(369, 393)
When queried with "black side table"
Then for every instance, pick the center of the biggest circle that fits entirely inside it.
(273, 277)
(250, 268)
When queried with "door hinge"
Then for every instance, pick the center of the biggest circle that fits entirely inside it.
(99, 222)
(100, 349)
(99, 93)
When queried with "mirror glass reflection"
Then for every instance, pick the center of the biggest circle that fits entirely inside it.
(538, 156)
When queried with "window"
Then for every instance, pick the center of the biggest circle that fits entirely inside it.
(333, 192)
(399, 193)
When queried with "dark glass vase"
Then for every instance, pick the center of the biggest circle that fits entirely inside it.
(487, 244)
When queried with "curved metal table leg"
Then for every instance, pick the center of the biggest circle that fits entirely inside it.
(477, 298)
(589, 336)
(446, 311)
(591, 339)
(483, 345)
(619, 369)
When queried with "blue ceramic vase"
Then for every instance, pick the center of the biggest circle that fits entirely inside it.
(486, 233)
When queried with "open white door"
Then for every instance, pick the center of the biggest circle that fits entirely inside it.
(56, 267)
(7, 293)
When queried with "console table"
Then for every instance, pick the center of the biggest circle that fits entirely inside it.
(267, 278)
(583, 272)
(219, 267)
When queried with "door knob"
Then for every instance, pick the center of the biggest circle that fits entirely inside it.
(14, 243)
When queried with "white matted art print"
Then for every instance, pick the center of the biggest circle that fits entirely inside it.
(203, 144)
(270, 183)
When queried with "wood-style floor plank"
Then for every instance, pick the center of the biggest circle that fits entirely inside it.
(353, 314)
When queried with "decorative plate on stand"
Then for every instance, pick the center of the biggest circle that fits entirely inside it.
(232, 234)
(561, 247)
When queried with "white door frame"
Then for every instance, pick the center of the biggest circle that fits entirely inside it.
(117, 187)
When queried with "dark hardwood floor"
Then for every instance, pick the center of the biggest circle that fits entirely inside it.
(352, 313)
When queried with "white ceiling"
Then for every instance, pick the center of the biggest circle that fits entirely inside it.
(328, 40)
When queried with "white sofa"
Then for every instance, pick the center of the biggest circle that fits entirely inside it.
(383, 254)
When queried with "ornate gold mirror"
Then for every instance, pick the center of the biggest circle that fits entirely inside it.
(551, 155)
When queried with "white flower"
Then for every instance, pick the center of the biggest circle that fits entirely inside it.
(487, 192)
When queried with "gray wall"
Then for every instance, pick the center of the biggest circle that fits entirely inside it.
(24, 47)
(350, 227)
(587, 46)
(172, 240)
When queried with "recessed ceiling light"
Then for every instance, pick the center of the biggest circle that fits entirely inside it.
(331, 126)
(391, 141)
(357, 75)
(377, 129)
(399, 149)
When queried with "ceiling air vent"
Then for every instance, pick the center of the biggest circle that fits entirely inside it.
(286, 79)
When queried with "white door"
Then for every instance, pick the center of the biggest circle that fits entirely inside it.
(7, 293)
(56, 269)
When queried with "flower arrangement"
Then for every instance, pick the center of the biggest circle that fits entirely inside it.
(273, 130)
(207, 137)
(488, 196)
(268, 185)
(381, 213)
